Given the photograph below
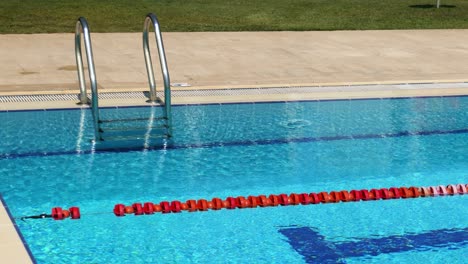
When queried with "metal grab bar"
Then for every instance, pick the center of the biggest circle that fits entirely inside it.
(82, 27)
(152, 19)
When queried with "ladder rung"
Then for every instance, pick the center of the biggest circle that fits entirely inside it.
(127, 129)
(130, 138)
(132, 119)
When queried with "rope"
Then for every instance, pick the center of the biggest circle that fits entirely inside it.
(259, 201)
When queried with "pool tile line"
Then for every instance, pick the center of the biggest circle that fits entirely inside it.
(234, 103)
(238, 143)
(20, 235)
(315, 248)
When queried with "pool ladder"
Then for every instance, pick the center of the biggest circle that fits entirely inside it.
(133, 128)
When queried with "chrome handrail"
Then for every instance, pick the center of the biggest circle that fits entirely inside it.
(82, 27)
(151, 19)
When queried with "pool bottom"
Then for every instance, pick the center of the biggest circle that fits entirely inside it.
(93, 182)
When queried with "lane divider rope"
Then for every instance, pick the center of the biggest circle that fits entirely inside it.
(241, 202)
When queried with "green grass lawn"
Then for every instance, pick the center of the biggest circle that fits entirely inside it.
(46, 16)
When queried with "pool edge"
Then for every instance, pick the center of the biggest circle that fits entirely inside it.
(12, 243)
(238, 95)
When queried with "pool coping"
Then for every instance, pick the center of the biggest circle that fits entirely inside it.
(317, 91)
(13, 246)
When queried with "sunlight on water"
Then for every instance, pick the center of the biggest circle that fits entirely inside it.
(48, 159)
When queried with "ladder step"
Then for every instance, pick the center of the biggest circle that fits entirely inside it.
(133, 133)
(132, 119)
(125, 129)
(133, 138)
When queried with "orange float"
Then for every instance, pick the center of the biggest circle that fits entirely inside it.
(274, 200)
(324, 197)
(263, 201)
(305, 198)
(416, 192)
(335, 196)
(253, 201)
(345, 196)
(202, 205)
(217, 204)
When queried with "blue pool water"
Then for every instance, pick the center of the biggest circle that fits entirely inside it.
(47, 159)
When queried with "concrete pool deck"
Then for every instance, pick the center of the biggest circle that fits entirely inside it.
(11, 245)
(45, 63)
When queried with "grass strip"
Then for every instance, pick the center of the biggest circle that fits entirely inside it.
(57, 16)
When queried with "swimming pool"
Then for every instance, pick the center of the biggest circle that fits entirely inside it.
(47, 159)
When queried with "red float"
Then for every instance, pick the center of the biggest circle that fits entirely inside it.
(355, 195)
(274, 200)
(376, 194)
(314, 198)
(148, 208)
(119, 210)
(217, 203)
(74, 212)
(283, 199)
(365, 195)
(396, 192)
(405, 193)
(175, 207)
(137, 208)
(324, 197)
(263, 201)
(231, 203)
(416, 192)
(242, 202)
(385, 194)
(345, 196)
(202, 205)
(191, 205)
(253, 201)
(57, 213)
(165, 207)
(335, 196)
(305, 198)
(294, 199)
